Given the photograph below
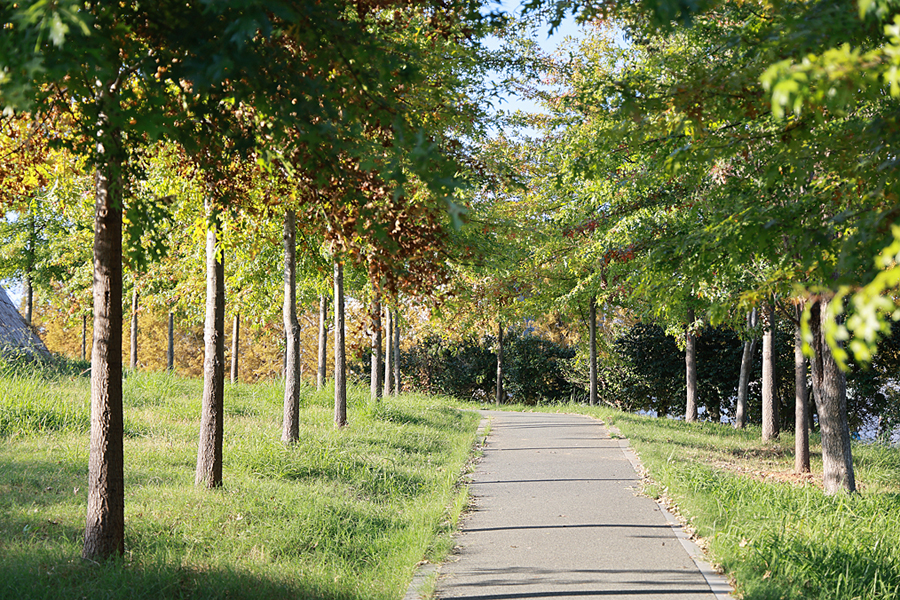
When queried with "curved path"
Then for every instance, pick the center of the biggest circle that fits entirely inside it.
(556, 515)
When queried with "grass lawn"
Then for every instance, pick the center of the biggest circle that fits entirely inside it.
(776, 534)
(341, 514)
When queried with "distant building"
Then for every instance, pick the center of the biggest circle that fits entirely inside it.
(16, 336)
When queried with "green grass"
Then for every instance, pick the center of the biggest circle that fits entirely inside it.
(778, 536)
(341, 514)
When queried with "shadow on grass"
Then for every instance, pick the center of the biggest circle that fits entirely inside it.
(29, 576)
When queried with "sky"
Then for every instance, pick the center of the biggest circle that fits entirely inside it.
(549, 43)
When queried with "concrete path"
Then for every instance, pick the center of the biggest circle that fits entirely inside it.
(556, 515)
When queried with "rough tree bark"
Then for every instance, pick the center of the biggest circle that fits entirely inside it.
(291, 422)
(498, 400)
(377, 365)
(592, 326)
(396, 347)
(690, 363)
(104, 534)
(388, 351)
(769, 414)
(132, 364)
(340, 356)
(170, 355)
(740, 415)
(235, 346)
(830, 392)
(323, 341)
(801, 399)
(209, 452)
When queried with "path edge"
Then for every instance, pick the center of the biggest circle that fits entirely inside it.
(425, 571)
(718, 583)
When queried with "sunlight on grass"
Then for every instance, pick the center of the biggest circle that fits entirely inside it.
(341, 514)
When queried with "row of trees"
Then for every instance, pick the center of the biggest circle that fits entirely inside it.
(728, 164)
(230, 126)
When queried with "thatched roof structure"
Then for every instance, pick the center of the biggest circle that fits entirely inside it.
(15, 335)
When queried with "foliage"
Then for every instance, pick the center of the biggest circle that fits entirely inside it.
(466, 369)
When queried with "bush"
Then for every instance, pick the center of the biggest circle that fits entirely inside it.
(534, 369)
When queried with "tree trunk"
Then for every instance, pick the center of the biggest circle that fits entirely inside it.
(104, 534)
(388, 351)
(340, 357)
(396, 347)
(83, 337)
(690, 363)
(769, 415)
(235, 346)
(740, 416)
(170, 355)
(830, 391)
(29, 300)
(377, 364)
(592, 326)
(209, 452)
(132, 364)
(323, 341)
(498, 400)
(290, 432)
(29, 269)
(801, 399)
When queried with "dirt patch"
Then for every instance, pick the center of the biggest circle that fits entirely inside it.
(769, 476)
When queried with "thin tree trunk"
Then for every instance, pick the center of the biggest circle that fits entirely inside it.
(801, 399)
(291, 423)
(377, 358)
(170, 355)
(29, 299)
(396, 347)
(83, 337)
(740, 416)
(340, 356)
(830, 391)
(388, 351)
(769, 415)
(323, 341)
(592, 326)
(690, 363)
(498, 400)
(132, 364)
(235, 346)
(104, 534)
(29, 269)
(209, 452)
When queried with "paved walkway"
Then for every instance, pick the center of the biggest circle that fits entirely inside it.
(556, 515)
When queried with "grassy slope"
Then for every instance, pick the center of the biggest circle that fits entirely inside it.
(343, 514)
(776, 534)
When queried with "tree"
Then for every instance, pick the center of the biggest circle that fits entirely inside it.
(690, 360)
(323, 341)
(377, 358)
(749, 351)
(340, 357)
(209, 452)
(769, 396)
(291, 422)
(801, 398)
